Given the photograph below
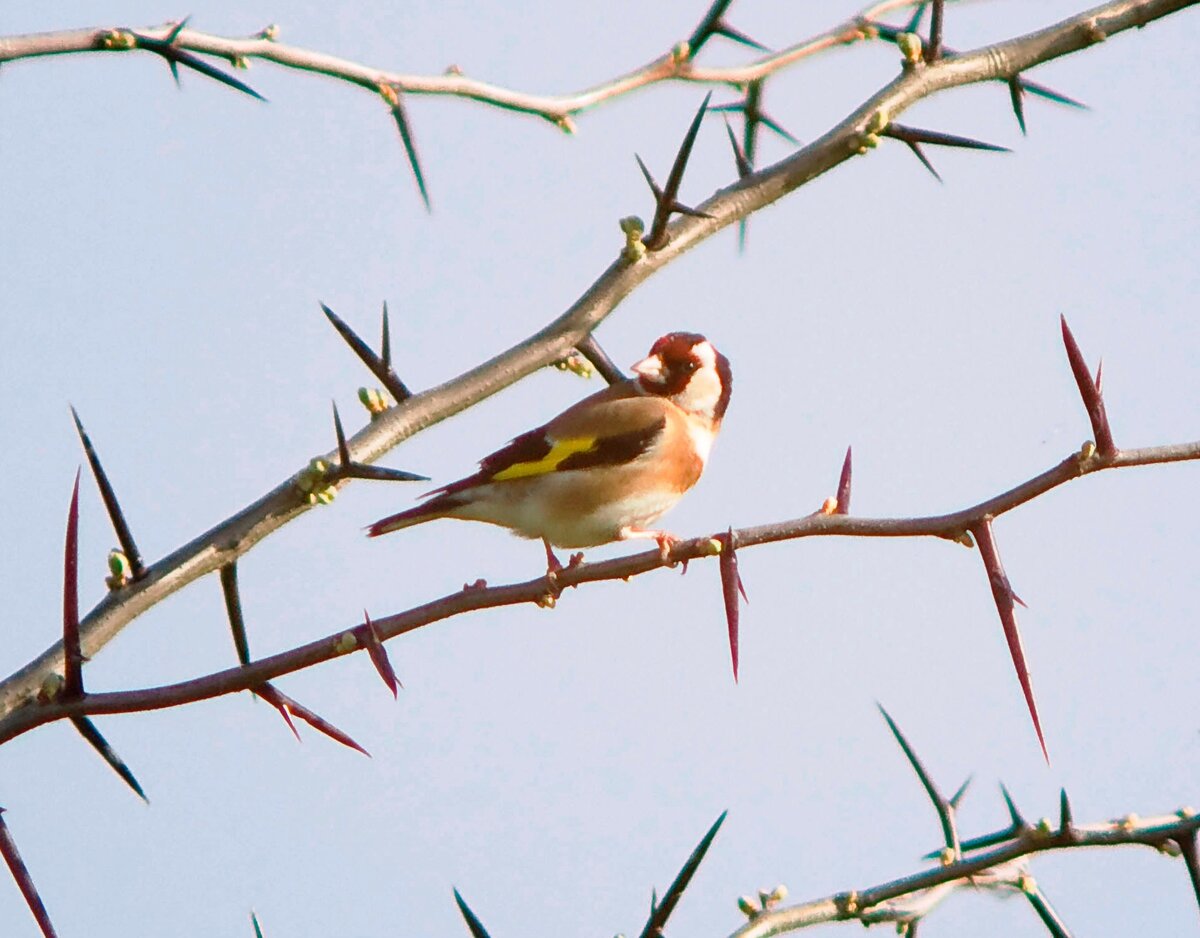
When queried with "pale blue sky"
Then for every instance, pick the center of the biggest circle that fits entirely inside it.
(162, 257)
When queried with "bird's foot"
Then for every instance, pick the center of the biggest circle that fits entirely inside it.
(554, 567)
(665, 540)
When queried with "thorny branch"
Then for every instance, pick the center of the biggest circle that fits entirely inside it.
(997, 862)
(675, 65)
(236, 535)
(910, 898)
(541, 591)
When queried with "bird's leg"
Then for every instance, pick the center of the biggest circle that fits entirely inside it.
(664, 539)
(553, 564)
(553, 589)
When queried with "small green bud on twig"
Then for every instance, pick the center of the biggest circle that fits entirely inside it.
(910, 48)
(634, 228)
(52, 686)
(576, 364)
(119, 569)
(117, 40)
(373, 400)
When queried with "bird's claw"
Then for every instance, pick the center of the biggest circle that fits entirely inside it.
(666, 543)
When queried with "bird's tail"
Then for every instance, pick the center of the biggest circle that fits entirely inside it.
(437, 507)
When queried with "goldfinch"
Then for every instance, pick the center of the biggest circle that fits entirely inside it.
(604, 468)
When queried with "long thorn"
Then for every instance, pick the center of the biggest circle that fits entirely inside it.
(1064, 812)
(400, 116)
(662, 911)
(1002, 593)
(174, 56)
(72, 687)
(1046, 912)
(20, 874)
(957, 797)
(385, 339)
(731, 584)
(87, 729)
(359, 470)
(287, 705)
(1187, 847)
(744, 168)
(736, 35)
(933, 49)
(1016, 95)
(1093, 400)
(1018, 821)
(111, 505)
(920, 155)
(843, 489)
(1032, 87)
(379, 656)
(343, 448)
(668, 202)
(938, 139)
(914, 22)
(388, 377)
(944, 808)
(233, 609)
(474, 926)
(707, 26)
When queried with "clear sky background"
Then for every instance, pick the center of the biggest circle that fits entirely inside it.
(162, 255)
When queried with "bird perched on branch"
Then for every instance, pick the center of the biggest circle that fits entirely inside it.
(604, 468)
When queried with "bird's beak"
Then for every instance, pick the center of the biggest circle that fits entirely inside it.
(649, 368)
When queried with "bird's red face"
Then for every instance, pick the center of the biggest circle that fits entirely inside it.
(685, 368)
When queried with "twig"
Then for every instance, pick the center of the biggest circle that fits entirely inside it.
(950, 526)
(998, 868)
(558, 109)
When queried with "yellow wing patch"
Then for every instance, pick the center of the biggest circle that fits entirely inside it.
(550, 462)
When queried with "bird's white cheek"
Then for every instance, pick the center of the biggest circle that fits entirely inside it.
(702, 393)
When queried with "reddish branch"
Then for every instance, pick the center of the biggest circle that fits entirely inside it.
(951, 526)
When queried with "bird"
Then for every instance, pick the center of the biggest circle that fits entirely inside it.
(605, 468)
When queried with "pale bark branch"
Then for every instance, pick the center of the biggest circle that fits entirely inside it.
(671, 66)
(999, 868)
